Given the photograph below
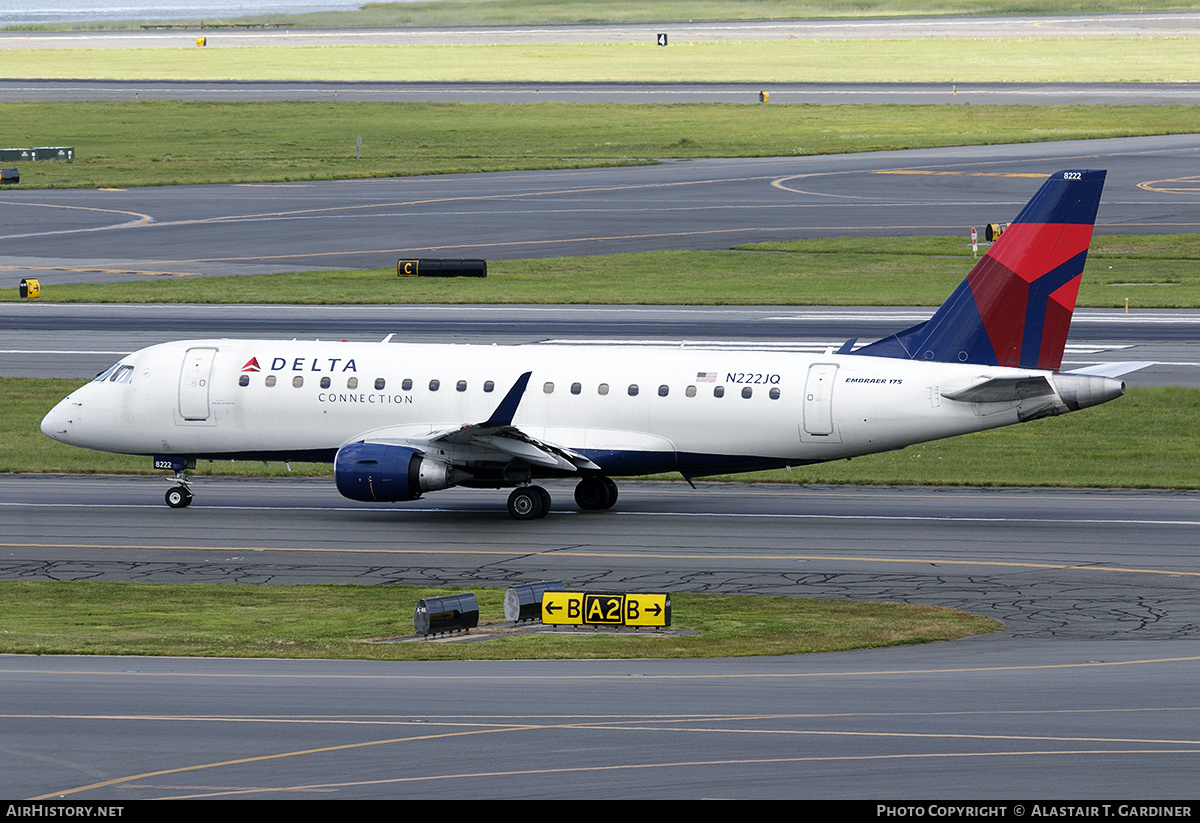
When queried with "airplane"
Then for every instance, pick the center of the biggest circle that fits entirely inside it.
(400, 420)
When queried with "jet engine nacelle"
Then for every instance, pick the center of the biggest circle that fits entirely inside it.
(1081, 391)
(378, 472)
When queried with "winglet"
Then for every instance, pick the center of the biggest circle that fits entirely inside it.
(504, 413)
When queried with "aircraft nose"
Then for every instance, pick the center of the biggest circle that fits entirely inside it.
(55, 423)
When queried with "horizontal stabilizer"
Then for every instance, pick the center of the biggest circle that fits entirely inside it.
(1114, 369)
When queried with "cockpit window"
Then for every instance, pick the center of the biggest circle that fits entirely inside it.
(123, 374)
(104, 375)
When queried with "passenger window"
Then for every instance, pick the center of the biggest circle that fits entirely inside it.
(488, 386)
(325, 381)
(718, 391)
(633, 389)
(244, 380)
(352, 383)
(406, 384)
(461, 385)
(297, 381)
(663, 391)
(774, 393)
(435, 384)
(747, 391)
(270, 380)
(548, 387)
(690, 391)
(576, 388)
(380, 383)
(602, 389)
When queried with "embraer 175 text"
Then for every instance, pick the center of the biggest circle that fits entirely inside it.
(399, 420)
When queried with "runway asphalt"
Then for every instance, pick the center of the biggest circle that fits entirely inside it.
(80, 341)
(1090, 694)
(1033, 26)
(949, 94)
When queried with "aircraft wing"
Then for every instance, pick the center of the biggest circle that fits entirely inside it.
(498, 434)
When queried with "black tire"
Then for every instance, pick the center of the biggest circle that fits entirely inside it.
(595, 493)
(528, 503)
(612, 492)
(545, 499)
(178, 497)
(591, 494)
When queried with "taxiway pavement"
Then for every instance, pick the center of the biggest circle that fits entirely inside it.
(949, 94)
(1039, 26)
(1089, 694)
(79, 341)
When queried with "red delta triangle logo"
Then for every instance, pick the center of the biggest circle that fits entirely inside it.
(251, 365)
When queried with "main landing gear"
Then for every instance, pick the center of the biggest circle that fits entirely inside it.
(593, 493)
(528, 502)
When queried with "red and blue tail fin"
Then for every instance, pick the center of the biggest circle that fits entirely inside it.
(1014, 308)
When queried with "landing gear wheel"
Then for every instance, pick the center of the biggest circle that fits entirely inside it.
(595, 493)
(612, 492)
(528, 502)
(178, 497)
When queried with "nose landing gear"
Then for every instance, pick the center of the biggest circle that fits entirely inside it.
(179, 495)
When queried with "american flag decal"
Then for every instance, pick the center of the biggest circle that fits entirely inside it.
(706, 377)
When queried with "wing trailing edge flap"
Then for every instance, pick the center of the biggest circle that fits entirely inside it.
(498, 434)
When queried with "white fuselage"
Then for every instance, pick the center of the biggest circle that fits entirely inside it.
(631, 410)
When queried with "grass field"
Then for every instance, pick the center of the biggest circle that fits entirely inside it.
(1149, 271)
(766, 61)
(137, 143)
(346, 622)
